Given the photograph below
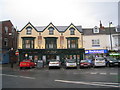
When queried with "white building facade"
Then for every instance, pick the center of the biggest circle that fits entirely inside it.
(101, 42)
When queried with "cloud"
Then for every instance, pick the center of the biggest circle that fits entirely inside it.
(60, 12)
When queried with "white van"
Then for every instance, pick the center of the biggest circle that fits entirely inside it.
(99, 61)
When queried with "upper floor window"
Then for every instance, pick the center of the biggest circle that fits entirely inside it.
(50, 42)
(95, 29)
(95, 43)
(5, 41)
(28, 43)
(6, 29)
(72, 42)
(72, 31)
(29, 30)
(13, 30)
(118, 28)
(51, 30)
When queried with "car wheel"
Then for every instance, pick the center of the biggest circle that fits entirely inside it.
(30, 67)
(20, 68)
(93, 66)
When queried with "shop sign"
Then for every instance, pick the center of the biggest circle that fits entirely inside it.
(96, 51)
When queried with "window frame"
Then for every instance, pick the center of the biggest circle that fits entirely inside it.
(51, 30)
(96, 29)
(95, 43)
(72, 31)
(50, 41)
(31, 40)
(69, 42)
(28, 30)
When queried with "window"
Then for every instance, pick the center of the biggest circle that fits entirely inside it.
(72, 31)
(51, 29)
(50, 42)
(5, 41)
(13, 31)
(29, 30)
(28, 43)
(72, 42)
(118, 28)
(96, 43)
(95, 29)
(6, 29)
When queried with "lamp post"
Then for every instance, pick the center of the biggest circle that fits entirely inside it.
(110, 23)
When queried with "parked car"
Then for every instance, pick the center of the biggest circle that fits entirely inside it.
(70, 63)
(112, 61)
(85, 63)
(54, 63)
(27, 63)
(99, 61)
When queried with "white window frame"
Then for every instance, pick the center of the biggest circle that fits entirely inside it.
(95, 43)
(118, 27)
(95, 29)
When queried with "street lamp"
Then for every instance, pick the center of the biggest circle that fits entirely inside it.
(110, 23)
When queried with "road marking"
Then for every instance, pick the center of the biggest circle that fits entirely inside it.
(91, 83)
(18, 76)
(113, 73)
(103, 73)
(93, 73)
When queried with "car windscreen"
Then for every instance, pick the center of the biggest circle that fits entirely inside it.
(100, 59)
(26, 61)
(84, 60)
(54, 61)
(112, 59)
(70, 61)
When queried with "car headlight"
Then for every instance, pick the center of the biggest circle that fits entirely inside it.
(111, 61)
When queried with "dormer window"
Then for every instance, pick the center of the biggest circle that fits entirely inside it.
(51, 30)
(29, 30)
(118, 28)
(72, 31)
(95, 29)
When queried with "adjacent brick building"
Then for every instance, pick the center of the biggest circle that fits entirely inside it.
(9, 41)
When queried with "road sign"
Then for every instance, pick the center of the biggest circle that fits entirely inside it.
(17, 52)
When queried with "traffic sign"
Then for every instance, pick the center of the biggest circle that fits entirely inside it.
(17, 52)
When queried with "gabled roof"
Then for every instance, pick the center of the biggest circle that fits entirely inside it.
(26, 25)
(58, 28)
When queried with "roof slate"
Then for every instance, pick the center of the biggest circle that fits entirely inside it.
(106, 31)
(60, 28)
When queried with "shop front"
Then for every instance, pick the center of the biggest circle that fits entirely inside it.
(48, 54)
(90, 54)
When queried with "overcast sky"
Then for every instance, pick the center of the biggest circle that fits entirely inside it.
(59, 12)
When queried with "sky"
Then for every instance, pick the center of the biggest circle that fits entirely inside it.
(60, 12)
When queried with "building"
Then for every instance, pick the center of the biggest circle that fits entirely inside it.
(100, 42)
(9, 41)
(51, 42)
